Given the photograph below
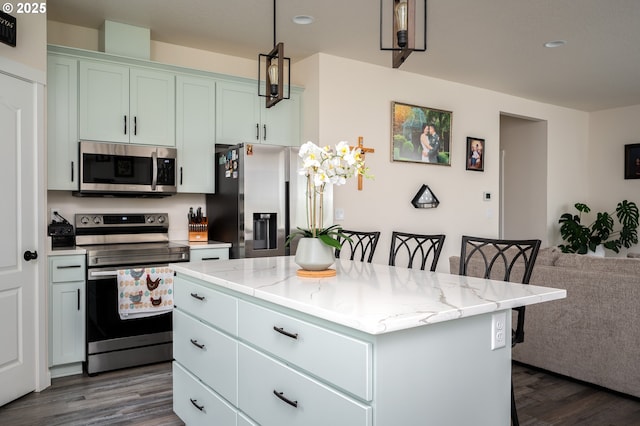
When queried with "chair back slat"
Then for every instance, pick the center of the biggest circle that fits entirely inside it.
(361, 245)
(407, 248)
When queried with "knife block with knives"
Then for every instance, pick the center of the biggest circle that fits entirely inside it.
(198, 225)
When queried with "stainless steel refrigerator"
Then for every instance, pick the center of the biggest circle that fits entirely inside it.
(259, 199)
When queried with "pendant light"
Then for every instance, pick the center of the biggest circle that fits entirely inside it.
(400, 21)
(274, 63)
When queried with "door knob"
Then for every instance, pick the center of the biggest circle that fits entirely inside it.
(30, 255)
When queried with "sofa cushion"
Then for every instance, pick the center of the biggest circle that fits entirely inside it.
(617, 265)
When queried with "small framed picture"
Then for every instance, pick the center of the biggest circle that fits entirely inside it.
(632, 161)
(475, 154)
(420, 134)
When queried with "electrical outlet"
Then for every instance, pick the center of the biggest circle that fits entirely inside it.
(498, 330)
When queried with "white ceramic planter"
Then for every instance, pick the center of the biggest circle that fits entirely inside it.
(314, 255)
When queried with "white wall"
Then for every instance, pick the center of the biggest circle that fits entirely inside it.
(609, 131)
(31, 46)
(523, 153)
(354, 99)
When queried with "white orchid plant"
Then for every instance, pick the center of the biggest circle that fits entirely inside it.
(324, 166)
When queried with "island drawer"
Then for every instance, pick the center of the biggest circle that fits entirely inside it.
(218, 309)
(207, 254)
(207, 353)
(274, 395)
(196, 404)
(67, 268)
(303, 344)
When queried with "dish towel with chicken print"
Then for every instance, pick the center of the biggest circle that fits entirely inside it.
(145, 292)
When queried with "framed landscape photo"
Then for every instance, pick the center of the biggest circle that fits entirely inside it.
(420, 134)
(632, 161)
(475, 154)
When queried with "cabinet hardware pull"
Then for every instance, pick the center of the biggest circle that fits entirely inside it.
(264, 134)
(78, 299)
(195, 295)
(72, 171)
(196, 344)
(180, 175)
(286, 333)
(257, 131)
(135, 126)
(195, 404)
(125, 124)
(281, 397)
(210, 258)
(68, 266)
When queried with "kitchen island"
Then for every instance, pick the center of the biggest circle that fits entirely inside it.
(376, 345)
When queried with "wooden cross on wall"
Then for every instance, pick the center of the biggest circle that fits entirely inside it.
(364, 150)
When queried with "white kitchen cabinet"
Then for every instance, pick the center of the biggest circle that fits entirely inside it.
(195, 133)
(62, 122)
(228, 350)
(67, 344)
(126, 104)
(207, 254)
(241, 116)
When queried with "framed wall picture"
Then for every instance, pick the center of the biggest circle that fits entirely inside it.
(475, 154)
(420, 134)
(632, 161)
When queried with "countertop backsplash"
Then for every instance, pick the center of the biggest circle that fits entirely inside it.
(176, 206)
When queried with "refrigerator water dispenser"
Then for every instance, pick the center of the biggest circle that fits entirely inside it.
(264, 231)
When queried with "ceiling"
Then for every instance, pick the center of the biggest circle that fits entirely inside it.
(493, 44)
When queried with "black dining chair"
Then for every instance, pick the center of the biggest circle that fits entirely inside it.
(360, 245)
(505, 260)
(415, 250)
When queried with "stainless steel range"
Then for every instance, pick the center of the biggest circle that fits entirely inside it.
(117, 242)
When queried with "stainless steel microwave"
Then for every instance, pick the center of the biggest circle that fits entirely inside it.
(126, 170)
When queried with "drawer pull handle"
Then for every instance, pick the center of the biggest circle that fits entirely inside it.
(281, 397)
(195, 404)
(196, 344)
(286, 333)
(211, 258)
(196, 296)
(68, 266)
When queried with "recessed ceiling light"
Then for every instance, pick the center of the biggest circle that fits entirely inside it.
(303, 19)
(555, 43)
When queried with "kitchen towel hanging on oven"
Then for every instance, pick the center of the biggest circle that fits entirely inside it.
(145, 292)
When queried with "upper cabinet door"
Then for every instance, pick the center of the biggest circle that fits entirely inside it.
(281, 122)
(62, 123)
(237, 113)
(195, 133)
(152, 107)
(124, 104)
(104, 102)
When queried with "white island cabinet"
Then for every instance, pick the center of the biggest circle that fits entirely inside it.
(376, 345)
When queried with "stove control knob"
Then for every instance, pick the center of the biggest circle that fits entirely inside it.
(97, 220)
(151, 219)
(84, 220)
(161, 219)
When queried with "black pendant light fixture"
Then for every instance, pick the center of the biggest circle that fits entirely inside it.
(401, 21)
(276, 67)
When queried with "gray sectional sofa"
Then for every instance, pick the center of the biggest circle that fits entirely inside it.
(594, 334)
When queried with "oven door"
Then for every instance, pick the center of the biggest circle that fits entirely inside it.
(105, 330)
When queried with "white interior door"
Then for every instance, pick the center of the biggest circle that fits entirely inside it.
(18, 224)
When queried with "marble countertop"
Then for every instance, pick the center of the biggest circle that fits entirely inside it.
(372, 298)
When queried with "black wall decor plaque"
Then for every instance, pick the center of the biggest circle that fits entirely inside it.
(8, 29)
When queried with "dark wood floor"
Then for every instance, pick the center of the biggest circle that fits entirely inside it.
(142, 396)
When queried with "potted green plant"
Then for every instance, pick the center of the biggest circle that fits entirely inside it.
(581, 238)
